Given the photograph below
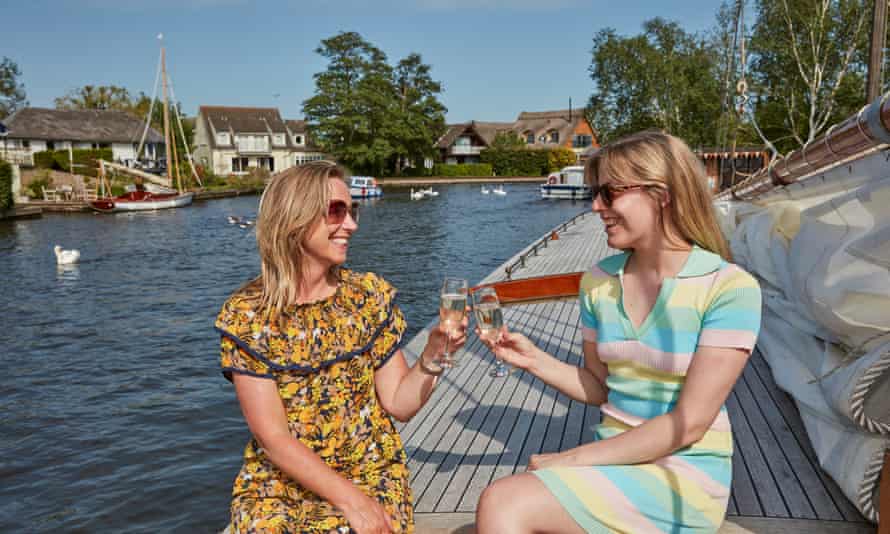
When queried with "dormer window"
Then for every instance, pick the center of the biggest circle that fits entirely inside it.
(278, 139)
(222, 139)
(554, 136)
(529, 138)
(298, 139)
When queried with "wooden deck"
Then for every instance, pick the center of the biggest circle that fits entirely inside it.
(477, 428)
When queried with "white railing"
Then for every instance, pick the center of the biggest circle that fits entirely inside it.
(17, 156)
(466, 149)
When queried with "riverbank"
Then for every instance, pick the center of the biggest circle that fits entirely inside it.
(21, 212)
(436, 180)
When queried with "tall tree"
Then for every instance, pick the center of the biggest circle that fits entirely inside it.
(808, 60)
(12, 91)
(663, 78)
(420, 120)
(96, 97)
(354, 99)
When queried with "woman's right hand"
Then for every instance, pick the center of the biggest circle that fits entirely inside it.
(517, 350)
(366, 515)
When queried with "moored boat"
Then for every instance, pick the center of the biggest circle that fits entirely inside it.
(142, 201)
(568, 183)
(364, 187)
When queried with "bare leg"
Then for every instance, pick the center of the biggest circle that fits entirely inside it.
(522, 504)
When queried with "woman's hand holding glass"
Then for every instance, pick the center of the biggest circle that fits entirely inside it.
(490, 322)
(515, 349)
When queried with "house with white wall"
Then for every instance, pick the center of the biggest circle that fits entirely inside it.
(31, 130)
(232, 140)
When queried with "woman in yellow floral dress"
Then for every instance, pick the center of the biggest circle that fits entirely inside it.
(313, 351)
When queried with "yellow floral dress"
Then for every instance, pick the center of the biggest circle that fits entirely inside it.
(322, 357)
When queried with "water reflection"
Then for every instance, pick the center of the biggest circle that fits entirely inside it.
(67, 273)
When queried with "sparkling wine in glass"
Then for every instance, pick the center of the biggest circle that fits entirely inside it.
(490, 320)
(452, 307)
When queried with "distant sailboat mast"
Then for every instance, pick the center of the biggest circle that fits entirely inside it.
(167, 139)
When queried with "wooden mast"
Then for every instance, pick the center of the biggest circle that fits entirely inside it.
(876, 53)
(166, 116)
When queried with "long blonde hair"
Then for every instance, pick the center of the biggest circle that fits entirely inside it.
(292, 204)
(656, 158)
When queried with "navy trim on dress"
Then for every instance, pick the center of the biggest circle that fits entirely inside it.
(396, 347)
(308, 368)
(227, 372)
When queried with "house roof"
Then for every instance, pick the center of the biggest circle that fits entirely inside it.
(243, 120)
(89, 125)
(296, 126)
(537, 122)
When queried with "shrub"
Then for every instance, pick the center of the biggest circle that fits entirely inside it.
(516, 162)
(45, 160)
(6, 199)
(416, 171)
(41, 181)
(462, 169)
(85, 161)
(560, 157)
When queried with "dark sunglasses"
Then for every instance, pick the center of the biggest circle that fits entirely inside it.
(609, 192)
(338, 209)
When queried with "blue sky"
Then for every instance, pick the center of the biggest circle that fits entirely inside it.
(495, 58)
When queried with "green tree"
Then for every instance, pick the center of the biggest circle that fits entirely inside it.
(663, 78)
(96, 97)
(12, 92)
(560, 157)
(508, 141)
(351, 113)
(420, 118)
(808, 61)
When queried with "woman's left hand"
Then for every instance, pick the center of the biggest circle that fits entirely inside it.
(553, 459)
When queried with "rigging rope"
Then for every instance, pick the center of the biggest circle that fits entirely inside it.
(151, 108)
(188, 152)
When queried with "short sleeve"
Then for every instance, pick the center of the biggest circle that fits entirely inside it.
(389, 340)
(587, 299)
(234, 359)
(233, 323)
(732, 320)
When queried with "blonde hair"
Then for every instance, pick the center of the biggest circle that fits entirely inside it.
(662, 160)
(292, 204)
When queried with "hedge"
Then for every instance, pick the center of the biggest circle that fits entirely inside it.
(519, 162)
(462, 169)
(84, 160)
(6, 199)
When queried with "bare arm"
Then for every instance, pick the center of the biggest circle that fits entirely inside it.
(403, 390)
(267, 420)
(585, 384)
(710, 379)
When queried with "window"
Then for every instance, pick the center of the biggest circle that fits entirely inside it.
(50, 145)
(530, 138)
(298, 139)
(554, 136)
(306, 158)
(266, 163)
(463, 141)
(222, 139)
(278, 139)
(582, 141)
(239, 164)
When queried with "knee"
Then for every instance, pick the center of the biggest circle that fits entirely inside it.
(496, 508)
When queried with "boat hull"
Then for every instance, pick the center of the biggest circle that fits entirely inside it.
(365, 192)
(568, 192)
(142, 201)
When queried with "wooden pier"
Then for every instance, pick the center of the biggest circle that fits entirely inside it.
(476, 428)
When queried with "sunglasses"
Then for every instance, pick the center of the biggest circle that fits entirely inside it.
(338, 209)
(609, 192)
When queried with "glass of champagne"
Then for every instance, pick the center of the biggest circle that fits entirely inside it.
(490, 320)
(452, 307)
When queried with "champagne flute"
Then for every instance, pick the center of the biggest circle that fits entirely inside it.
(452, 307)
(490, 319)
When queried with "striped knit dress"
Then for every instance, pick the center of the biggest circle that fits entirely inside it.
(710, 303)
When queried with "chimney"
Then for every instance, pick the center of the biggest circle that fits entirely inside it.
(570, 110)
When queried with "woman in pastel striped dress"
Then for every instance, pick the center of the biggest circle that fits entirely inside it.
(668, 326)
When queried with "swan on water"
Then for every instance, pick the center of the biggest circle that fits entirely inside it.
(416, 195)
(499, 190)
(66, 257)
(485, 190)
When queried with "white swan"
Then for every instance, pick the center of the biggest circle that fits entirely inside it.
(499, 190)
(66, 257)
(416, 195)
(430, 193)
(485, 190)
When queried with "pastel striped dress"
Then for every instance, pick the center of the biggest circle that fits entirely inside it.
(710, 303)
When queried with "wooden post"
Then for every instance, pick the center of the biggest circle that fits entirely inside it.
(884, 494)
(876, 53)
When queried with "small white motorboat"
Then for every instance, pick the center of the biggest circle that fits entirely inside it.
(364, 187)
(567, 183)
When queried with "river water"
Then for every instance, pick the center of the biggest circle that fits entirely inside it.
(113, 412)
